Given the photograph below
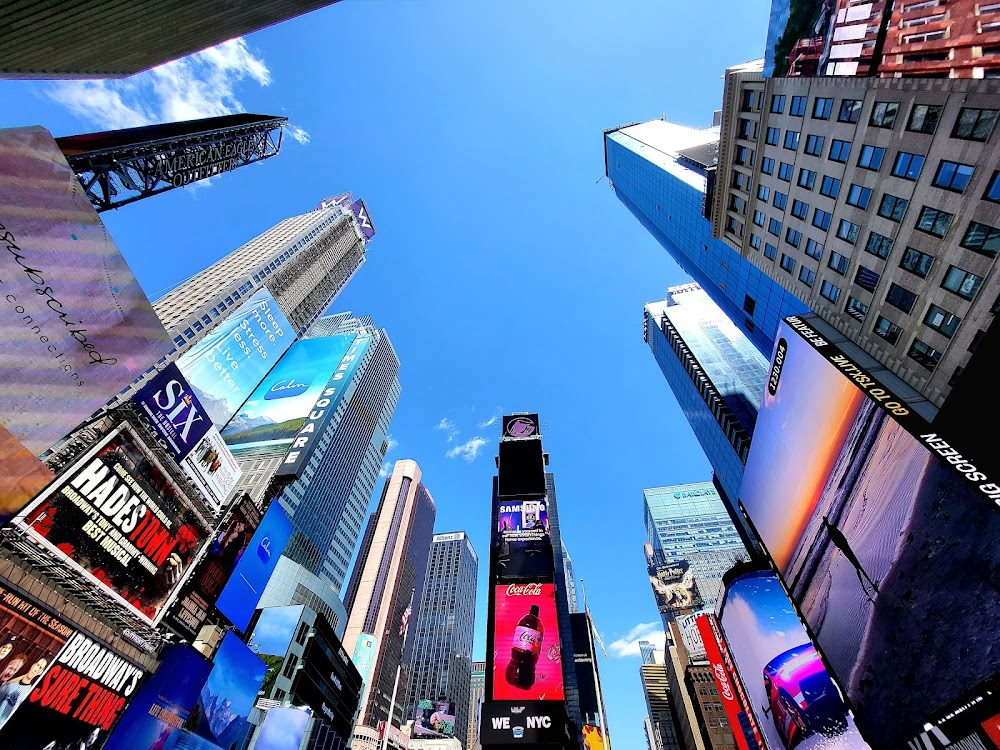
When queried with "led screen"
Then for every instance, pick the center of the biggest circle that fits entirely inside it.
(527, 660)
(283, 729)
(22, 476)
(524, 546)
(674, 587)
(434, 718)
(522, 469)
(229, 693)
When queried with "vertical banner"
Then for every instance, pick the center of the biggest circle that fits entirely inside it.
(734, 700)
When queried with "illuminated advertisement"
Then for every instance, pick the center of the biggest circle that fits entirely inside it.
(76, 327)
(229, 693)
(240, 595)
(75, 702)
(593, 738)
(360, 211)
(795, 701)
(116, 518)
(524, 545)
(278, 408)
(434, 718)
(735, 701)
(867, 513)
(213, 469)
(272, 635)
(163, 703)
(22, 476)
(364, 655)
(225, 366)
(522, 469)
(283, 729)
(527, 661)
(520, 426)
(527, 723)
(674, 587)
(323, 410)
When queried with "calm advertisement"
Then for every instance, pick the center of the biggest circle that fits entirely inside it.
(794, 698)
(76, 328)
(272, 635)
(674, 587)
(525, 547)
(869, 525)
(76, 702)
(434, 718)
(283, 729)
(225, 366)
(30, 637)
(240, 595)
(229, 693)
(164, 702)
(527, 661)
(116, 517)
(279, 406)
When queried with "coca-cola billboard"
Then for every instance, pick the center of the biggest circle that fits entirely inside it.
(527, 656)
(734, 698)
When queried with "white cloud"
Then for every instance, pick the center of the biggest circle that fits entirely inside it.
(391, 443)
(299, 134)
(386, 469)
(644, 631)
(468, 450)
(492, 420)
(446, 424)
(200, 85)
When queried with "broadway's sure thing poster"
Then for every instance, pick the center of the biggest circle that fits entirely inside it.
(116, 517)
(884, 532)
(527, 661)
(525, 547)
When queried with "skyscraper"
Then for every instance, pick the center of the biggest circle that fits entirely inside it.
(659, 171)
(715, 372)
(659, 704)
(441, 661)
(571, 599)
(477, 689)
(385, 590)
(690, 522)
(647, 650)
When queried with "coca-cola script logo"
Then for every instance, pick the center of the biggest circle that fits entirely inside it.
(520, 427)
(524, 589)
(723, 679)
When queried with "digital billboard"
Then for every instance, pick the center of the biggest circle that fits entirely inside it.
(22, 476)
(434, 718)
(524, 546)
(76, 327)
(593, 738)
(674, 586)
(163, 703)
(522, 468)
(364, 655)
(527, 660)
(116, 517)
(360, 211)
(283, 729)
(212, 469)
(229, 692)
(520, 426)
(279, 406)
(328, 682)
(794, 699)
(527, 723)
(867, 513)
(225, 366)
(75, 702)
(272, 635)
(240, 595)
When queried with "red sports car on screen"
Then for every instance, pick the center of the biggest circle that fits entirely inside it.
(804, 701)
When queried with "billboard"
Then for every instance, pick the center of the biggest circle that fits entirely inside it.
(116, 517)
(794, 699)
(22, 476)
(164, 703)
(229, 693)
(520, 426)
(279, 406)
(527, 660)
(674, 587)
(593, 738)
(328, 682)
(283, 729)
(360, 211)
(76, 328)
(867, 513)
(225, 366)
(522, 468)
(323, 410)
(75, 702)
(524, 544)
(272, 635)
(434, 718)
(364, 655)
(240, 595)
(526, 722)
(212, 469)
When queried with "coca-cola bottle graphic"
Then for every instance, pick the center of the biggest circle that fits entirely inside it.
(525, 649)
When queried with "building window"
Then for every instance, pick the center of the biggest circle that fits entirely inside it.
(807, 178)
(830, 187)
(961, 282)
(942, 321)
(953, 176)
(773, 136)
(848, 231)
(878, 245)
(735, 203)
(778, 103)
(856, 308)
(821, 219)
(871, 158)
(927, 36)
(807, 276)
(758, 218)
(746, 128)
(838, 263)
(744, 156)
(922, 21)
(798, 108)
(866, 278)
(993, 189)
(892, 207)
(780, 200)
(749, 304)
(976, 341)
(924, 355)
(822, 108)
(974, 124)
(791, 139)
(179, 340)
(829, 291)
(916, 262)
(774, 227)
(793, 237)
(955, 376)
(763, 192)
(850, 110)
(924, 118)
(840, 150)
(981, 238)
(814, 249)
(908, 165)
(887, 330)
(770, 251)
(799, 209)
(901, 297)
(755, 241)
(767, 165)
(733, 226)
(747, 102)
(787, 263)
(859, 196)
(934, 221)
(785, 172)
(814, 145)
(884, 114)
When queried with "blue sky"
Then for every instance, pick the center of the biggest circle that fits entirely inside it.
(508, 275)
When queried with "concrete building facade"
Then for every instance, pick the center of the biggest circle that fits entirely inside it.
(477, 692)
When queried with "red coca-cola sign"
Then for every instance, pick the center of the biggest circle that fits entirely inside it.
(524, 589)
